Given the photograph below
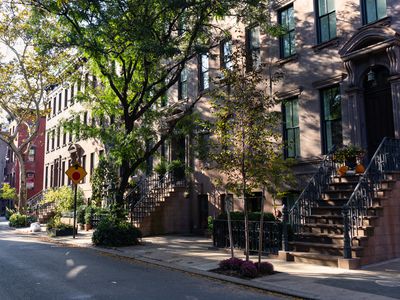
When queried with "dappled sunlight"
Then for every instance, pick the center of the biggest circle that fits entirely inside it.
(73, 273)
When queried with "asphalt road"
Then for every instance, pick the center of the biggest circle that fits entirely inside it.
(33, 270)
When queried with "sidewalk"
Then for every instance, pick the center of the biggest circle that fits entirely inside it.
(197, 256)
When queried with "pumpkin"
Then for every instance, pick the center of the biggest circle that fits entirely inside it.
(342, 170)
(360, 169)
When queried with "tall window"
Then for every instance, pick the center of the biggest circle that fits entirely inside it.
(326, 23)
(226, 54)
(287, 41)
(331, 118)
(49, 107)
(91, 163)
(64, 137)
(84, 166)
(204, 68)
(183, 85)
(63, 173)
(59, 102)
(58, 137)
(253, 59)
(53, 136)
(373, 10)
(32, 153)
(66, 98)
(72, 93)
(46, 178)
(291, 131)
(48, 141)
(54, 105)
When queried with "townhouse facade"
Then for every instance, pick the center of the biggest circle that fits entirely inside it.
(63, 105)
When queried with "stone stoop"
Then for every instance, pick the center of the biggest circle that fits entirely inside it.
(321, 241)
(46, 213)
(168, 216)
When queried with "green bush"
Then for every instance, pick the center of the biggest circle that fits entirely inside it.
(56, 224)
(17, 220)
(112, 232)
(9, 213)
(63, 198)
(80, 214)
(89, 212)
(253, 216)
(210, 224)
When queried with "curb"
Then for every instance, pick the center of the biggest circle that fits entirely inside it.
(265, 287)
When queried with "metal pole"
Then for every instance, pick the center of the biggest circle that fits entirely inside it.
(285, 242)
(76, 189)
(346, 230)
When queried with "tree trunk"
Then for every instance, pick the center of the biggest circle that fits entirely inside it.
(261, 232)
(22, 194)
(228, 214)
(246, 214)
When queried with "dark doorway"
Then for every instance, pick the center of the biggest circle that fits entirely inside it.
(203, 211)
(178, 156)
(378, 107)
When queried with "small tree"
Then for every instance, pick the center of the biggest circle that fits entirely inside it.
(25, 73)
(102, 180)
(7, 192)
(246, 138)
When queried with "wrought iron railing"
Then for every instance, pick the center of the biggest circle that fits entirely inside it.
(34, 202)
(149, 192)
(272, 239)
(312, 192)
(386, 159)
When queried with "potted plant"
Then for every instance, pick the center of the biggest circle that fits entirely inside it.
(349, 157)
(56, 228)
(81, 216)
(89, 212)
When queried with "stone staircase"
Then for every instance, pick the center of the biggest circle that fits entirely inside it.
(321, 239)
(158, 206)
(45, 212)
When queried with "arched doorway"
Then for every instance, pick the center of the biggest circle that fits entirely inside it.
(378, 107)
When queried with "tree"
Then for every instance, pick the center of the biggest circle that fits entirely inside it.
(247, 142)
(137, 49)
(103, 177)
(25, 73)
(7, 192)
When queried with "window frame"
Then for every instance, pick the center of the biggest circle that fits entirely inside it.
(295, 129)
(364, 12)
(183, 85)
(252, 50)
(319, 17)
(226, 59)
(204, 72)
(324, 121)
(290, 32)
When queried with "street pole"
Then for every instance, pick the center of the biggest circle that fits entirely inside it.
(76, 189)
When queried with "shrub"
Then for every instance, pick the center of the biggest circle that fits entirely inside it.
(9, 213)
(80, 214)
(232, 263)
(113, 232)
(55, 223)
(63, 198)
(18, 220)
(89, 212)
(265, 268)
(248, 269)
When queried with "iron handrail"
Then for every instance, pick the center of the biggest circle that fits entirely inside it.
(311, 194)
(386, 158)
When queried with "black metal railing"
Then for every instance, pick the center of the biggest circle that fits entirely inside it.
(272, 239)
(33, 203)
(149, 192)
(312, 192)
(386, 159)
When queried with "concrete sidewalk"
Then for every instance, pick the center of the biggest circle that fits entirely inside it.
(196, 255)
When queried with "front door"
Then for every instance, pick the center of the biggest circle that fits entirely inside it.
(378, 108)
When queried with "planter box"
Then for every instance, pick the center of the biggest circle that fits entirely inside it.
(61, 232)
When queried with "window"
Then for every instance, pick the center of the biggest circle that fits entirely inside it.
(53, 133)
(54, 105)
(85, 117)
(183, 85)
(30, 180)
(63, 173)
(84, 166)
(326, 23)
(31, 154)
(286, 41)
(254, 201)
(331, 118)
(226, 54)
(86, 81)
(59, 102)
(226, 202)
(253, 58)
(46, 177)
(51, 175)
(64, 137)
(70, 137)
(66, 98)
(58, 137)
(49, 104)
(204, 68)
(72, 93)
(48, 141)
(291, 132)
(373, 10)
(91, 163)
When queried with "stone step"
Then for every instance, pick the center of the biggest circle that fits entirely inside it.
(346, 179)
(339, 186)
(315, 258)
(324, 238)
(335, 229)
(323, 248)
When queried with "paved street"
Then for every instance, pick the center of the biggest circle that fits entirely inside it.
(34, 270)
